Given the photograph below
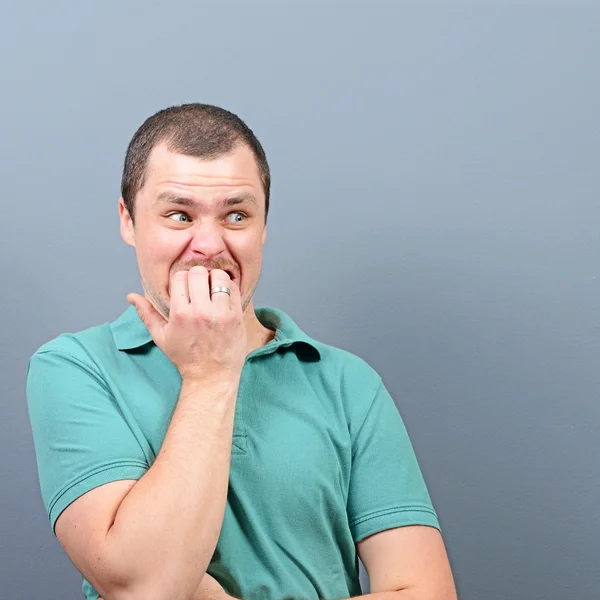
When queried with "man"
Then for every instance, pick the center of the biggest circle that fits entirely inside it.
(198, 448)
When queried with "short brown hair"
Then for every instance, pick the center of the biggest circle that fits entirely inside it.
(201, 130)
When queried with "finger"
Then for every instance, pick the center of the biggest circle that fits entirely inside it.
(178, 290)
(220, 278)
(235, 298)
(151, 318)
(198, 286)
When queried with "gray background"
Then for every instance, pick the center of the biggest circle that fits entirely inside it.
(435, 210)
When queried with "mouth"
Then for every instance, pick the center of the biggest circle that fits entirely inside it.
(229, 272)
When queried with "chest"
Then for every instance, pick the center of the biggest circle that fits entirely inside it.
(294, 446)
(290, 436)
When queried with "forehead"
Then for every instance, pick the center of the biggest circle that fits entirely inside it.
(237, 168)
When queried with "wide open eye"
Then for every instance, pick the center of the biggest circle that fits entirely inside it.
(237, 213)
(178, 220)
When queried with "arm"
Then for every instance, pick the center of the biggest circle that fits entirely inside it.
(407, 563)
(209, 589)
(404, 563)
(401, 547)
(156, 535)
(154, 538)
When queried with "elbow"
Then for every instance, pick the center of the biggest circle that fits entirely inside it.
(153, 588)
(153, 576)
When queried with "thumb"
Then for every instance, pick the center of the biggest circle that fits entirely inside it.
(151, 318)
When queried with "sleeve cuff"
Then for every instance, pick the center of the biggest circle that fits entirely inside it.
(98, 477)
(391, 518)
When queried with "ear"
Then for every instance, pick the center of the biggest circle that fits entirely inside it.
(127, 231)
(264, 234)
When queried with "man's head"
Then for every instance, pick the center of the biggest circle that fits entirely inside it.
(195, 191)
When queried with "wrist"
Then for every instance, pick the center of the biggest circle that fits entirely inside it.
(222, 381)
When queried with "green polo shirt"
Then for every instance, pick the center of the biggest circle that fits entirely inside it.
(320, 456)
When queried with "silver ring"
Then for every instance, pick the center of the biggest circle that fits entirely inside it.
(220, 288)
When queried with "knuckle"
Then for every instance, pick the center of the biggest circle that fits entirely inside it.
(220, 275)
(216, 318)
(199, 313)
(209, 316)
(221, 317)
(226, 318)
(228, 315)
(179, 314)
(198, 270)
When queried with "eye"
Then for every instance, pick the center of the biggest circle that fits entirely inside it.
(178, 213)
(237, 213)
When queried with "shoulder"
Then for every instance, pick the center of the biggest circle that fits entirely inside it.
(79, 346)
(349, 378)
(76, 342)
(349, 368)
(342, 374)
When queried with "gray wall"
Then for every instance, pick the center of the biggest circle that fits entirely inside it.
(435, 167)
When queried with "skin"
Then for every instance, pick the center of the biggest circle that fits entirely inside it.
(403, 563)
(170, 237)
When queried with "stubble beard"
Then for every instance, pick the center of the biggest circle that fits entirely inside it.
(162, 305)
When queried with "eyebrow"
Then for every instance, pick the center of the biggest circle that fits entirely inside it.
(172, 198)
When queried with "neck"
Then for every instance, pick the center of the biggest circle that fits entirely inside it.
(258, 334)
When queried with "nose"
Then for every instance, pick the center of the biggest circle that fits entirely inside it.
(207, 240)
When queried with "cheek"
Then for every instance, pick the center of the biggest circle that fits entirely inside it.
(249, 251)
(157, 251)
(162, 244)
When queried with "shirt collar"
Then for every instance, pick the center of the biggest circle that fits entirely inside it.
(129, 332)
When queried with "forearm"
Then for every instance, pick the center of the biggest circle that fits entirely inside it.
(166, 529)
(388, 596)
(210, 589)
(396, 595)
(213, 591)
(408, 594)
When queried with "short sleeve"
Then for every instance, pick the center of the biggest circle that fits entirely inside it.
(81, 438)
(387, 488)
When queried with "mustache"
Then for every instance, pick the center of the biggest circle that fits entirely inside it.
(210, 264)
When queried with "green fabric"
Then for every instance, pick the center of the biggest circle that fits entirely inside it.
(320, 456)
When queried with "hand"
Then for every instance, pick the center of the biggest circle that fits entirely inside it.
(204, 335)
(209, 589)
